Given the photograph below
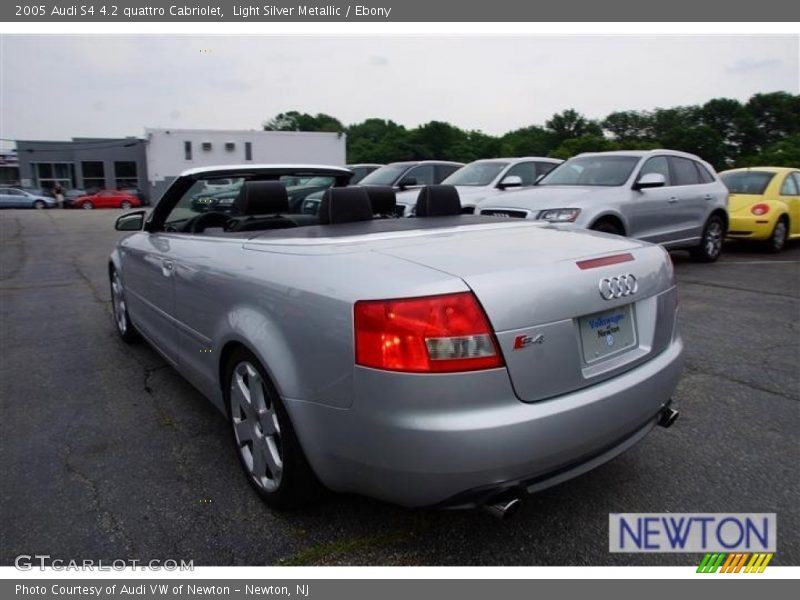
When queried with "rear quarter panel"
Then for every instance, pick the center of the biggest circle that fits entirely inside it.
(294, 311)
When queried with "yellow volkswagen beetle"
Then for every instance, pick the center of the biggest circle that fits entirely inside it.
(764, 204)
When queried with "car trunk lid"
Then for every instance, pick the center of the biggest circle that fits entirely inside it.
(541, 290)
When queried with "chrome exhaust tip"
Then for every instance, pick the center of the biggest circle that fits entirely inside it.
(668, 416)
(505, 508)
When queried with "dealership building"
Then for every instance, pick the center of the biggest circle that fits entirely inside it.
(151, 163)
(83, 163)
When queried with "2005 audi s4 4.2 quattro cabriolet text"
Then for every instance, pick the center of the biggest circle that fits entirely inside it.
(443, 360)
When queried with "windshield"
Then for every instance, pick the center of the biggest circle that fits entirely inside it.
(477, 173)
(747, 182)
(592, 170)
(385, 175)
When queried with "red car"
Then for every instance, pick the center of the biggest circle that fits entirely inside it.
(107, 199)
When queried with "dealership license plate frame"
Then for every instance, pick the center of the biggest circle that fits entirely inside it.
(597, 348)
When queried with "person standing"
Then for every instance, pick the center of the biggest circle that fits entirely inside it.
(58, 192)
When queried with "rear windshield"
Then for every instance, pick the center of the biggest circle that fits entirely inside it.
(592, 170)
(747, 182)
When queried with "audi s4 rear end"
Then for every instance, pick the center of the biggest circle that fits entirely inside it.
(445, 360)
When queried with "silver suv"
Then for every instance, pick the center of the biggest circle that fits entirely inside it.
(660, 196)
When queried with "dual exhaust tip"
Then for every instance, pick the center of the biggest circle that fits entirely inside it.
(507, 504)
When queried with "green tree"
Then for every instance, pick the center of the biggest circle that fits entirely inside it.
(528, 141)
(297, 121)
(785, 153)
(584, 143)
(571, 124)
(776, 116)
(629, 125)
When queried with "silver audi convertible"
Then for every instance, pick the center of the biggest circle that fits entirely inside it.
(443, 360)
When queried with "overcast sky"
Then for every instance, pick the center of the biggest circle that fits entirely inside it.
(57, 87)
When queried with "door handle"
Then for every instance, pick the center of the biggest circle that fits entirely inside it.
(708, 197)
(167, 267)
(672, 199)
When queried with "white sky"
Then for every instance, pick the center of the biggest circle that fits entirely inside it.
(57, 87)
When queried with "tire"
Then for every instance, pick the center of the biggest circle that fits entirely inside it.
(119, 309)
(777, 240)
(39, 204)
(87, 205)
(606, 226)
(125, 205)
(260, 427)
(710, 246)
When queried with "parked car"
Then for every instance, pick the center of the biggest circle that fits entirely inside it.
(390, 358)
(481, 178)
(143, 199)
(661, 196)
(107, 199)
(299, 189)
(361, 170)
(71, 195)
(764, 205)
(19, 198)
(409, 174)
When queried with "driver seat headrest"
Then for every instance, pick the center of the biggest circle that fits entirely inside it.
(261, 198)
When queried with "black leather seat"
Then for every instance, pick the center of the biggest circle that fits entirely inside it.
(262, 202)
(383, 200)
(438, 201)
(345, 205)
(261, 198)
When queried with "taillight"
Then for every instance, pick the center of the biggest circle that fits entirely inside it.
(760, 209)
(434, 334)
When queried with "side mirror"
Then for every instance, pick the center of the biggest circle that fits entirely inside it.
(650, 180)
(407, 182)
(133, 221)
(510, 181)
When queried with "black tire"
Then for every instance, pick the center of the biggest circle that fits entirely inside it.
(710, 247)
(777, 240)
(39, 204)
(119, 310)
(295, 485)
(88, 205)
(606, 226)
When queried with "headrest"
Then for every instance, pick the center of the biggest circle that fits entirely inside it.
(382, 198)
(344, 205)
(438, 201)
(261, 198)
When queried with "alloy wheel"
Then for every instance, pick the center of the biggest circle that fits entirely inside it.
(256, 427)
(118, 299)
(713, 239)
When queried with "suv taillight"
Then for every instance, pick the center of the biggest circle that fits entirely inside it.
(434, 334)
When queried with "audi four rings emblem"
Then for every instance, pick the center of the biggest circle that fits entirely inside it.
(618, 287)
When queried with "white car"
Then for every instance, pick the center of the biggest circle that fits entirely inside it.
(482, 178)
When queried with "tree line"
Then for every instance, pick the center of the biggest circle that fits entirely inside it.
(765, 130)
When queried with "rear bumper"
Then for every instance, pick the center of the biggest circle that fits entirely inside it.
(421, 440)
(750, 227)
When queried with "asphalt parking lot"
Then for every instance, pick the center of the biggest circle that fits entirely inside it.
(107, 453)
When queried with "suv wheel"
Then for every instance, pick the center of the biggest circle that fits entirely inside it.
(606, 227)
(125, 328)
(710, 246)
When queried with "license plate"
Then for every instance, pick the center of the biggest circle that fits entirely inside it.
(607, 332)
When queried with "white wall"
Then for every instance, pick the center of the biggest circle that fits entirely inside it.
(166, 158)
